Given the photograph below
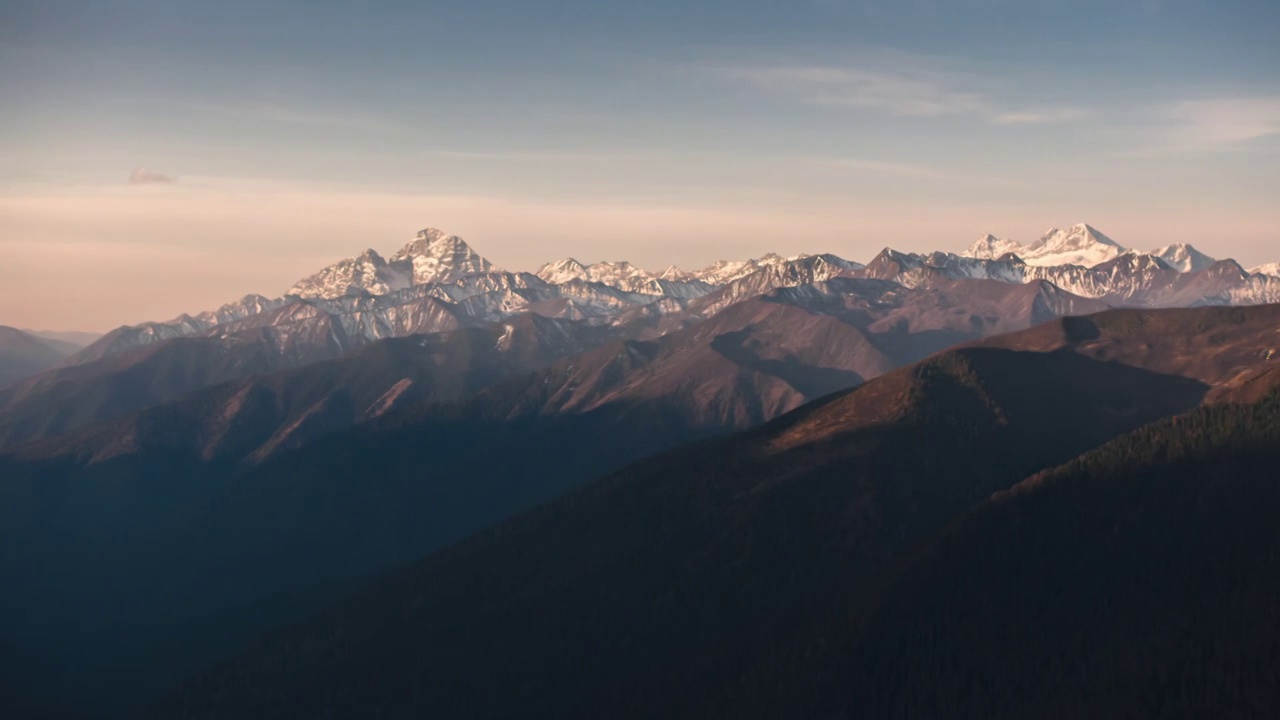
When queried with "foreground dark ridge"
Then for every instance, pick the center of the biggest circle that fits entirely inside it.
(736, 576)
(241, 482)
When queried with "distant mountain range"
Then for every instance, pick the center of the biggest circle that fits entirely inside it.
(382, 409)
(439, 282)
(23, 354)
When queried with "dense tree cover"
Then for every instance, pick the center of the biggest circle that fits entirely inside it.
(1139, 580)
(726, 579)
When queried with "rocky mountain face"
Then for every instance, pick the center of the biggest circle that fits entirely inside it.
(432, 257)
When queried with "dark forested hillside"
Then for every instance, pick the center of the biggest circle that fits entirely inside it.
(1139, 580)
(655, 591)
(689, 571)
(319, 476)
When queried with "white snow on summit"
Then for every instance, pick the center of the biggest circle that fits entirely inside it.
(1082, 245)
(432, 257)
(990, 247)
(1077, 245)
(368, 272)
(437, 256)
(625, 276)
(1183, 257)
(613, 274)
(437, 283)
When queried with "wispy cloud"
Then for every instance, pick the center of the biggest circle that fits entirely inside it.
(1224, 121)
(880, 167)
(904, 94)
(915, 87)
(281, 114)
(1040, 117)
(541, 156)
(143, 176)
(1210, 125)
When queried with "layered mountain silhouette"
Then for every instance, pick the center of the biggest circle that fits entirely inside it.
(862, 556)
(23, 354)
(438, 283)
(313, 505)
(294, 448)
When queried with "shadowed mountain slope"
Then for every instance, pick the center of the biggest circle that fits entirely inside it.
(250, 419)
(1134, 581)
(148, 506)
(655, 591)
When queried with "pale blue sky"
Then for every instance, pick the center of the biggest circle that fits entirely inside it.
(660, 131)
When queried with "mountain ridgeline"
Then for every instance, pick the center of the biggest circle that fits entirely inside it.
(23, 354)
(595, 490)
(437, 284)
(990, 532)
(320, 476)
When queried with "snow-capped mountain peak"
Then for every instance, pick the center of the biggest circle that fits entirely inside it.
(562, 271)
(437, 283)
(1077, 245)
(990, 247)
(675, 273)
(1272, 269)
(436, 256)
(621, 274)
(367, 272)
(1183, 257)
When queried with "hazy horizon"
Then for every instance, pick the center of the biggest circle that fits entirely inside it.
(280, 137)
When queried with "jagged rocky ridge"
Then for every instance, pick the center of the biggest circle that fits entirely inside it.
(439, 283)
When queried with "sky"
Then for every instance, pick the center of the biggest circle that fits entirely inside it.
(160, 157)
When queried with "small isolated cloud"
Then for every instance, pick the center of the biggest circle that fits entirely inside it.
(143, 176)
